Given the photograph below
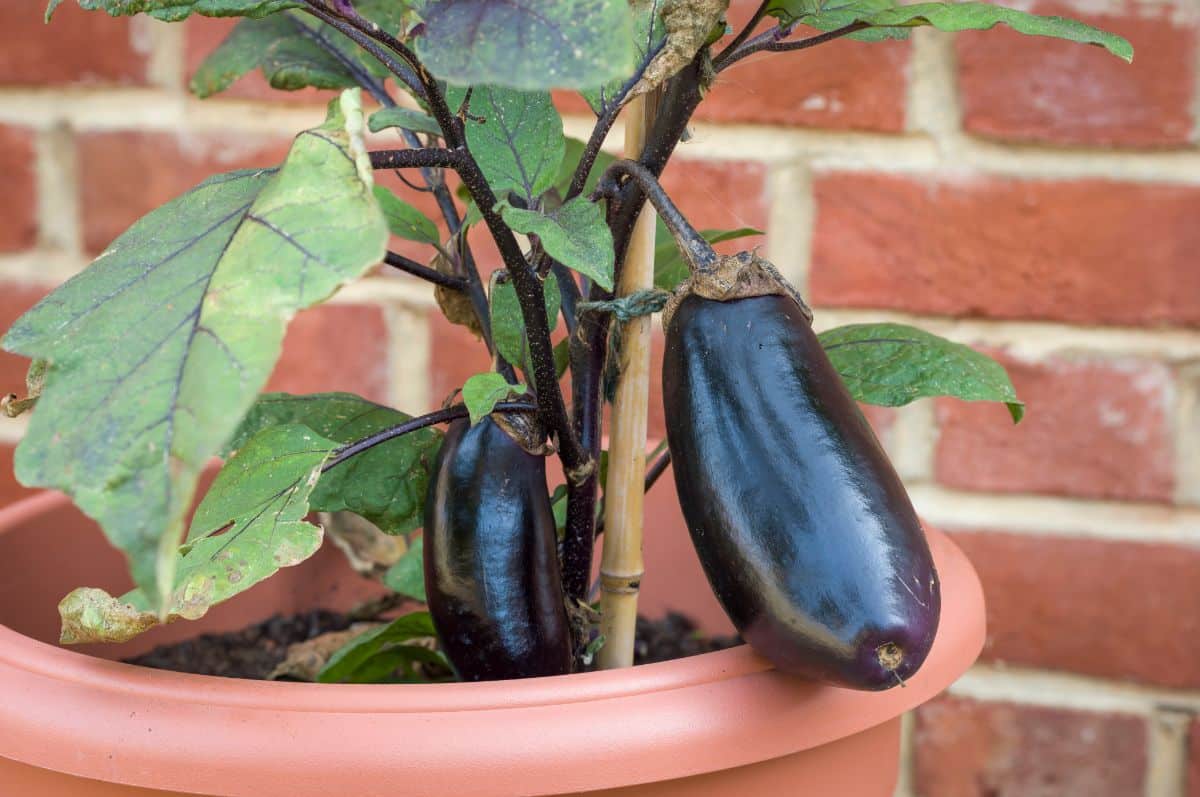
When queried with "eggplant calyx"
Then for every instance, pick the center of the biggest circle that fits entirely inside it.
(890, 656)
(731, 277)
(526, 431)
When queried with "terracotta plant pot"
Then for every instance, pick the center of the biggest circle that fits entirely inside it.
(74, 722)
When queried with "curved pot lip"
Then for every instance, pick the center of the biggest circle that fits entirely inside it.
(729, 694)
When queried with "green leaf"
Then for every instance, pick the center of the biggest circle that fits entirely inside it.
(176, 10)
(250, 524)
(347, 664)
(566, 170)
(157, 349)
(888, 16)
(407, 576)
(648, 36)
(669, 268)
(292, 50)
(558, 505)
(404, 220)
(527, 44)
(482, 392)
(517, 138)
(893, 364)
(385, 484)
(406, 118)
(574, 234)
(562, 356)
(508, 325)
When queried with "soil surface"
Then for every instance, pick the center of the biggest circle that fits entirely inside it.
(255, 651)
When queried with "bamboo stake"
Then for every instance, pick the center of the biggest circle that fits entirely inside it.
(621, 566)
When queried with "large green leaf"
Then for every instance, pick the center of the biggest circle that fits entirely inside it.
(359, 661)
(648, 36)
(508, 325)
(527, 44)
(250, 524)
(574, 234)
(292, 49)
(517, 138)
(893, 364)
(157, 349)
(669, 268)
(175, 10)
(385, 484)
(891, 19)
(404, 220)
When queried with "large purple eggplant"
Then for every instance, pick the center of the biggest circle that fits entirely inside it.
(491, 563)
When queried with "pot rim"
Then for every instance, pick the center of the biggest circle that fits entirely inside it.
(605, 729)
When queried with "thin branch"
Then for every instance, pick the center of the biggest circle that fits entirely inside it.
(743, 34)
(354, 31)
(429, 157)
(410, 266)
(568, 290)
(772, 41)
(445, 415)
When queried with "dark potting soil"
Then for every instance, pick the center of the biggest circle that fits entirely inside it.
(256, 650)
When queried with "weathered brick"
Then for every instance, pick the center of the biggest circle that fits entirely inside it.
(124, 175)
(18, 201)
(843, 85)
(202, 35)
(1097, 429)
(1086, 251)
(1103, 608)
(15, 299)
(336, 347)
(1023, 88)
(966, 748)
(76, 47)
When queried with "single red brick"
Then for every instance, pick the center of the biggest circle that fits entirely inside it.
(1092, 428)
(1025, 88)
(336, 347)
(205, 34)
(15, 299)
(845, 85)
(1097, 607)
(10, 489)
(76, 47)
(18, 202)
(124, 175)
(966, 748)
(1087, 251)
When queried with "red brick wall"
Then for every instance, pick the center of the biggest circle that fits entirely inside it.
(1034, 198)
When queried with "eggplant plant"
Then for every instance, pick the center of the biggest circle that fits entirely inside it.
(152, 361)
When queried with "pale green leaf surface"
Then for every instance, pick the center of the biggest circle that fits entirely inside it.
(406, 118)
(250, 524)
(385, 484)
(669, 268)
(482, 392)
(647, 36)
(176, 10)
(516, 137)
(407, 576)
(404, 220)
(574, 234)
(508, 325)
(892, 364)
(158, 348)
(527, 44)
(346, 664)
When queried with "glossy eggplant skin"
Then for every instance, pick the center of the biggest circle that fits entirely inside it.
(491, 561)
(805, 531)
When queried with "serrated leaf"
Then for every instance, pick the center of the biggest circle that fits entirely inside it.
(516, 137)
(176, 10)
(406, 118)
(482, 392)
(893, 364)
(407, 576)
(574, 234)
(508, 325)
(404, 220)
(157, 350)
(890, 17)
(385, 484)
(527, 44)
(347, 664)
(669, 268)
(250, 524)
(292, 49)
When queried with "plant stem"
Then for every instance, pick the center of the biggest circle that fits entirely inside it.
(743, 34)
(445, 415)
(410, 266)
(416, 158)
(772, 41)
(621, 567)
